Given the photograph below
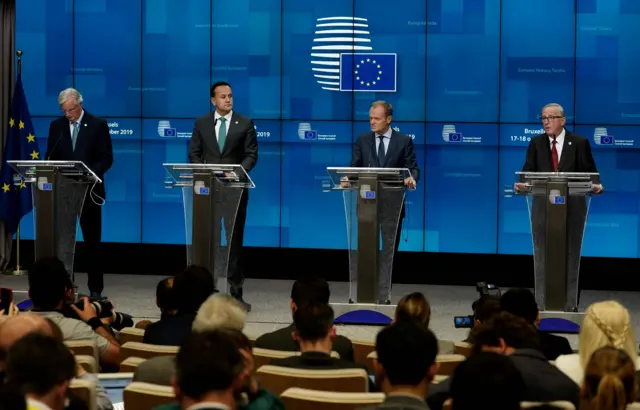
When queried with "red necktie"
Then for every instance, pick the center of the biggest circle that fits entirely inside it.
(554, 155)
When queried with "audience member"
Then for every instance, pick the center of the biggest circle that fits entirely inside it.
(610, 381)
(307, 290)
(487, 380)
(512, 336)
(483, 309)
(405, 365)
(40, 368)
(165, 298)
(522, 303)
(191, 288)
(48, 290)
(415, 307)
(605, 323)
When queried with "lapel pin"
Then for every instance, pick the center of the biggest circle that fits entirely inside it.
(236, 122)
(569, 142)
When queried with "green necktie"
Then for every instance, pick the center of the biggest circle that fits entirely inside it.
(74, 137)
(222, 134)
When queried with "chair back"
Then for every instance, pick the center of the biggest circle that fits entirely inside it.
(277, 379)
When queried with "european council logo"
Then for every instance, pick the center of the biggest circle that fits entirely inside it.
(165, 130)
(449, 134)
(601, 137)
(306, 133)
(343, 58)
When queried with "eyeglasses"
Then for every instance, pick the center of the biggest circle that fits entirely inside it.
(70, 110)
(550, 118)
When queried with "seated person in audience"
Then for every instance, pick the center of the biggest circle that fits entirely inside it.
(314, 334)
(405, 365)
(306, 290)
(522, 303)
(218, 311)
(191, 288)
(486, 380)
(514, 337)
(165, 298)
(605, 323)
(48, 289)
(610, 381)
(483, 309)
(415, 306)
(212, 373)
(40, 368)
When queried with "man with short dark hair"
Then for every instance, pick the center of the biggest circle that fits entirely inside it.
(165, 299)
(406, 365)
(226, 137)
(522, 303)
(191, 288)
(306, 290)
(41, 368)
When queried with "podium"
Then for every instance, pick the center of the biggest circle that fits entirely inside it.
(558, 205)
(211, 194)
(373, 205)
(59, 189)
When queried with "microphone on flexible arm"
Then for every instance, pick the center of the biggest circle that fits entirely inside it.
(55, 145)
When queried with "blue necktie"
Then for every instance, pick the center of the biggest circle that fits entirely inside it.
(74, 136)
(222, 133)
(381, 154)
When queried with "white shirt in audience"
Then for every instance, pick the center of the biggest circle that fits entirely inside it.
(36, 405)
(569, 364)
(208, 405)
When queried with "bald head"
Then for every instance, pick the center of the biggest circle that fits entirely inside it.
(16, 327)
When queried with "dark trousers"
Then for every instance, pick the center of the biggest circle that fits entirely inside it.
(235, 269)
(91, 225)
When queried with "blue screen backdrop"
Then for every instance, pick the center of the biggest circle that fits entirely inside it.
(467, 79)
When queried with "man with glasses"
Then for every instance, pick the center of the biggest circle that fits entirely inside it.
(559, 150)
(80, 136)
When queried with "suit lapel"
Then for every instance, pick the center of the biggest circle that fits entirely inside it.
(374, 152)
(83, 131)
(393, 146)
(230, 133)
(215, 146)
(547, 144)
(567, 150)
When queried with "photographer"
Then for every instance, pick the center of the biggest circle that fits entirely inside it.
(49, 290)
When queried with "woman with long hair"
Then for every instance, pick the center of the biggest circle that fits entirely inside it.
(609, 380)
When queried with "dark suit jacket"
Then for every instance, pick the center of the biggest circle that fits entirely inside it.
(281, 340)
(170, 331)
(400, 402)
(315, 361)
(400, 153)
(240, 147)
(93, 146)
(553, 346)
(543, 381)
(576, 155)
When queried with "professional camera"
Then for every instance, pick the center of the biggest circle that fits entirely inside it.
(104, 309)
(484, 289)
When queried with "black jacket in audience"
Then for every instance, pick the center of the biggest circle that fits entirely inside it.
(396, 401)
(281, 339)
(169, 331)
(543, 381)
(553, 346)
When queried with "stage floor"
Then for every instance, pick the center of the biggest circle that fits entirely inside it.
(135, 294)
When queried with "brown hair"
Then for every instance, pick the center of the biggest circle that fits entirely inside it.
(609, 380)
(415, 307)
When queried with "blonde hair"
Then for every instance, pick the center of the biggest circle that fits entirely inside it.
(415, 307)
(219, 311)
(609, 380)
(606, 323)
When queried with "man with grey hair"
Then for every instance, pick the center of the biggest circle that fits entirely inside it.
(80, 136)
(383, 147)
(558, 150)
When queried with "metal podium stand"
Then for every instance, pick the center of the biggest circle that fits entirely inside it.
(558, 205)
(211, 194)
(59, 189)
(373, 201)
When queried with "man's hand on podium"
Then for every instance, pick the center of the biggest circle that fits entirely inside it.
(520, 186)
(410, 183)
(344, 182)
(597, 188)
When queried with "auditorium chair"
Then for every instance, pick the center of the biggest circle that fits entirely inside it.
(86, 391)
(131, 334)
(362, 349)
(88, 363)
(146, 396)
(145, 350)
(130, 364)
(447, 362)
(85, 347)
(277, 379)
(262, 357)
(296, 398)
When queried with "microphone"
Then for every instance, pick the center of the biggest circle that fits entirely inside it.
(55, 145)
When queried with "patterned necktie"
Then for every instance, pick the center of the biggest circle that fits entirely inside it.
(554, 155)
(381, 154)
(222, 133)
(74, 137)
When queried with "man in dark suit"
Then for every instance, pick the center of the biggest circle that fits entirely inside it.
(559, 150)
(226, 137)
(383, 147)
(80, 136)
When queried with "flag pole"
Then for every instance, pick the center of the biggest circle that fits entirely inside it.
(18, 270)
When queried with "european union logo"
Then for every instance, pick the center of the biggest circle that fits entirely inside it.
(368, 72)
(169, 132)
(606, 140)
(455, 137)
(15, 195)
(311, 135)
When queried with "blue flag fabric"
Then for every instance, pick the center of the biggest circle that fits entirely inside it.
(15, 194)
(368, 72)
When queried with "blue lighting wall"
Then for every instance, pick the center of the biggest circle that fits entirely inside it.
(481, 69)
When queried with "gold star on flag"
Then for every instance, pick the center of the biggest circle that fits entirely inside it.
(31, 138)
(34, 154)
(11, 122)
(22, 184)
(5, 187)
(21, 125)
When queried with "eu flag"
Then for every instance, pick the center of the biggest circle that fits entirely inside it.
(15, 196)
(368, 72)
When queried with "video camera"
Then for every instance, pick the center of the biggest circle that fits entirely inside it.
(484, 289)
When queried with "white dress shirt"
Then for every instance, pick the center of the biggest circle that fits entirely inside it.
(79, 121)
(559, 144)
(227, 122)
(209, 405)
(385, 140)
